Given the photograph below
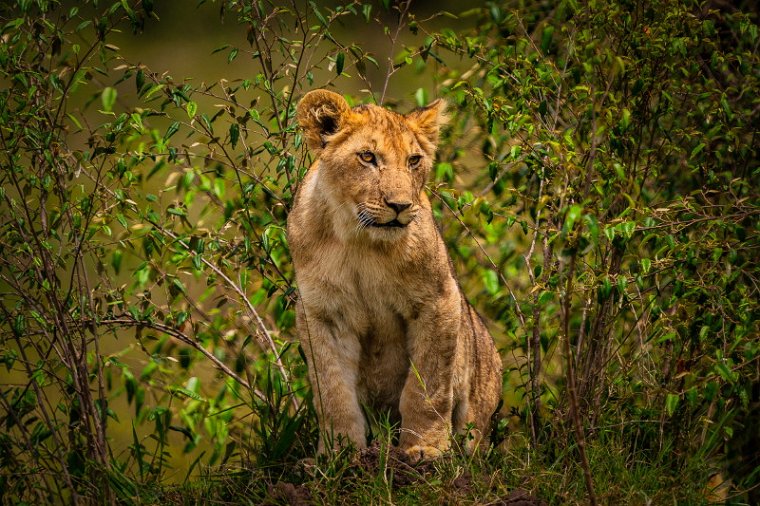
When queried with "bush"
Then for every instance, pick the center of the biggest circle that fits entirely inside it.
(597, 189)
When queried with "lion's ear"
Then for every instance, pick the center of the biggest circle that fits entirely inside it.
(429, 120)
(321, 113)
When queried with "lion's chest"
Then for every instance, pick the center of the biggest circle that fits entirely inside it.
(370, 301)
(366, 288)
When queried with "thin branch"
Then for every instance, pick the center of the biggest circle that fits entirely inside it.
(171, 331)
(266, 340)
(518, 311)
(403, 9)
(570, 376)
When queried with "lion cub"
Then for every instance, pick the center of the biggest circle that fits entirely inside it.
(381, 317)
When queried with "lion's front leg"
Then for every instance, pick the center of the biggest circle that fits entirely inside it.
(333, 371)
(427, 398)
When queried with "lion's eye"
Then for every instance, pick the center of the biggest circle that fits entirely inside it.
(368, 157)
(414, 160)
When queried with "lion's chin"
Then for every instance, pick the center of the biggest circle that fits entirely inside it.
(390, 224)
(387, 232)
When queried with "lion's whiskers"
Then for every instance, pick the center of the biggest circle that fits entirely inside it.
(363, 218)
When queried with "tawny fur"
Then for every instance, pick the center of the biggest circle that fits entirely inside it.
(381, 317)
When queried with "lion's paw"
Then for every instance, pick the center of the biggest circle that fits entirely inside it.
(419, 453)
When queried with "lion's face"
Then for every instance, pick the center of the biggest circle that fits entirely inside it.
(376, 168)
(373, 163)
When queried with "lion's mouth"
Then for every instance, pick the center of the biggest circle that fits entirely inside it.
(393, 223)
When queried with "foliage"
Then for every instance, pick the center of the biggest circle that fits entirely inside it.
(635, 172)
(597, 188)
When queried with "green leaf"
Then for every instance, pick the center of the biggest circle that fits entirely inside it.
(726, 107)
(671, 403)
(234, 134)
(546, 38)
(725, 371)
(127, 8)
(173, 128)
(625, 120)
(515, 151)
(698, 149)
(421, 97)
(627, 228)
(493, 171)
(116, 260)
(187, 393)
(572, 216)
(233, 54)
(139, 80)
(108, 98)
(340, 60)
(191, 108)
(318, 14)
(491, 281)
(74, 120)
(605, 289)
(444, 171)
(130, 384)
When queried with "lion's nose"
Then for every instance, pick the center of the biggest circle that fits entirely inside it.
(398, 206)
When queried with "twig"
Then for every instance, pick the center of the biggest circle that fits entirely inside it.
(533, 344)
(574, 414)
(171, 331)
(267, 339)
(403, 9)
(518, 311)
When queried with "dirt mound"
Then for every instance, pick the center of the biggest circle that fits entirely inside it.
(292, 495)
(520, 497)
(393, 462)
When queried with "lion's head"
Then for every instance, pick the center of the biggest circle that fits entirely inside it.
(373, 163)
